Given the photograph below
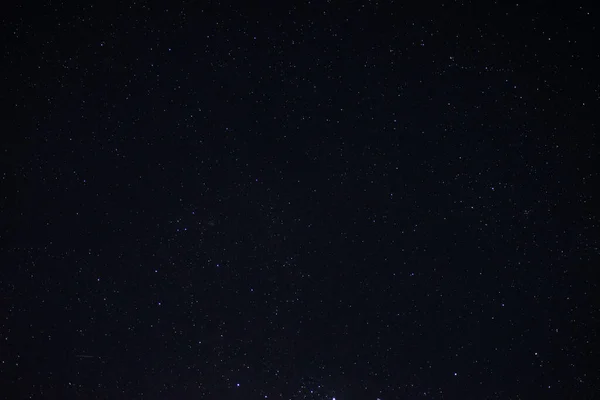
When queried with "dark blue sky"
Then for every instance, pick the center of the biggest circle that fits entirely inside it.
(308, 200)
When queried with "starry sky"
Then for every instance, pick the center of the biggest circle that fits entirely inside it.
(299, 200)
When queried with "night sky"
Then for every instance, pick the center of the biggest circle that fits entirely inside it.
(299, 200)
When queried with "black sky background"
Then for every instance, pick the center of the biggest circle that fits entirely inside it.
(308, 200)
